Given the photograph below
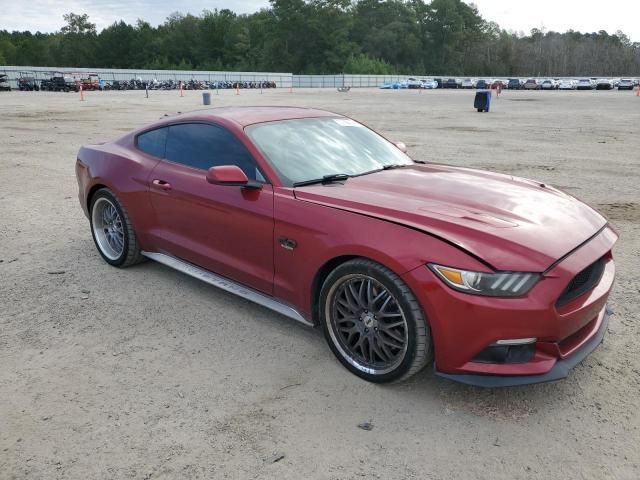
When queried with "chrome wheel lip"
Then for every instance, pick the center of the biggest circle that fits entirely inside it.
(337, 342)
(108, 229)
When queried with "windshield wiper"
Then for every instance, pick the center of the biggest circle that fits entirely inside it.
(392, 166)
(336, 177)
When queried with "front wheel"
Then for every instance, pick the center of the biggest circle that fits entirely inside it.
(373, 323)
(112, 231)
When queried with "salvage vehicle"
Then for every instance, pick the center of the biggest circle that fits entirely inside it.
(89, 81)
(531, 84)
(514, 84)
(27, 82)
(585, 84)
(498, 279)
(468, 83)
(567, 84)
(549, 84)
(4, 83)
(625, 84)
(451, 83)
(429, 83)
(412, 83)
(604, 84)
(60, 82)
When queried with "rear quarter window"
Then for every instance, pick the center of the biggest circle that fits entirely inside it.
(153, 142)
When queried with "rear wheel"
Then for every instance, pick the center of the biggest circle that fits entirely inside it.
(373, 323)
(112, 231)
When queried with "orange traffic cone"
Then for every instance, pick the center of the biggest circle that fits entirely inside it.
(81, 94)
(237, 89)
(181, 90)
(638, 91)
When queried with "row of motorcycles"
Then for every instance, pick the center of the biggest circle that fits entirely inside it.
(138, 84)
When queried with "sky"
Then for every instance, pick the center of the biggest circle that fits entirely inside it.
(514, 15)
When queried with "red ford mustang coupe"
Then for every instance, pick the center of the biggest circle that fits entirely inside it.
(499, 280)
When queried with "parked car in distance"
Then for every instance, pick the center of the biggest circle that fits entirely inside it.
(450, 83)
(548, 84)
(412, 83)
(27, 82)
(625, 84)
(429, 84)
(514, 84)
(567, 84)
(531, 84)
(468, 83)
(60, 82)
(4, 83)
(89, 81)
(499, 280)
(585, 84)
(604, 84)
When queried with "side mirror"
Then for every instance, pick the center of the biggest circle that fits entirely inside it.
(402, 147)
(230, 175)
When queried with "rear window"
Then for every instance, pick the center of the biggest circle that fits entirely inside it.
(153, 142)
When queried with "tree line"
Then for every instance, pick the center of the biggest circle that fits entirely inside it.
(328, 36)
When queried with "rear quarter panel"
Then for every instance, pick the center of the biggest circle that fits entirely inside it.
(123, 169)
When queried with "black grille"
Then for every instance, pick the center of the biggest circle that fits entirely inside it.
(582, 282)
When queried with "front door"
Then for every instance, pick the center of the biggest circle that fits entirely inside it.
(224, 229)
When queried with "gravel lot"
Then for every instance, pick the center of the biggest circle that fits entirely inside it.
(145, 373)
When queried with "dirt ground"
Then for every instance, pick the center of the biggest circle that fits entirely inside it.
(145, 373)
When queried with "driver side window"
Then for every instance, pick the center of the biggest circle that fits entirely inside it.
(202, 146)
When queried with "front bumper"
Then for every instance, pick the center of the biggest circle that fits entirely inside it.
(559, 371)
(463, 326)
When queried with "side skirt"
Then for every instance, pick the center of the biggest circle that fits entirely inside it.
(228, 286)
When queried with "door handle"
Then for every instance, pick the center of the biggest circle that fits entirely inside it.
(162, 184)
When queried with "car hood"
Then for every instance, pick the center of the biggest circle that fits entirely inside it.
(510, 223)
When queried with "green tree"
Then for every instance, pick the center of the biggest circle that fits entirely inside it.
(364, 64)
(329, 36)
(78, 24)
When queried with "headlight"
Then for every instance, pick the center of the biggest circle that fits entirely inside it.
(501, 284)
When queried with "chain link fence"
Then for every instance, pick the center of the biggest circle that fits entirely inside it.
(282, 80)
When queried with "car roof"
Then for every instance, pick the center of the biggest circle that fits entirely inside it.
(244, 116)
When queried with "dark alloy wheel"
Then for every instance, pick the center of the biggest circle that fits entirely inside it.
(373, 323)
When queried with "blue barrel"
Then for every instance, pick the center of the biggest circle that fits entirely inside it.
(206, 98)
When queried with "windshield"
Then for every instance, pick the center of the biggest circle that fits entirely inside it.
(312, 148)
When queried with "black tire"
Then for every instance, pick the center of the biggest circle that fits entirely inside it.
(415, 329)
(131, 252)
